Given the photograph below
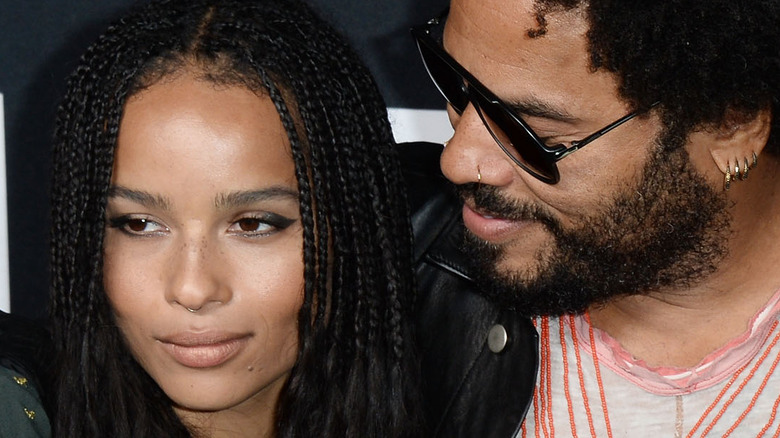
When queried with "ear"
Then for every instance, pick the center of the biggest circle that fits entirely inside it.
(733, 144)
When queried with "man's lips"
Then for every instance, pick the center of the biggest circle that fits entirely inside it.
(203, 350)
(487, 227)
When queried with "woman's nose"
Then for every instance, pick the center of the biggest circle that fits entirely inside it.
(196, 278)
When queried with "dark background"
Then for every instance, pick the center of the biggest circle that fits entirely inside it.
(40, 44)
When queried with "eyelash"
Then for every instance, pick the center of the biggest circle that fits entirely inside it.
(548, 141)
(122, 223)
(273, 223)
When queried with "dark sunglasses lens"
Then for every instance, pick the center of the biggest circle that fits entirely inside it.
(516, 141)
(447, 80)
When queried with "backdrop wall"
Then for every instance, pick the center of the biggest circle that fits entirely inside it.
(40, 44)
(5, 297)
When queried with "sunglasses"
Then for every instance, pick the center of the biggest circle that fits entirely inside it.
(513, 135)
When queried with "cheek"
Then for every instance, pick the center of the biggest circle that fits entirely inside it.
(133, 311)
(271, 285)
(274, 304)
(600, 168)
(592, 177)
(127, 281)
(274, 271)
(274, 289)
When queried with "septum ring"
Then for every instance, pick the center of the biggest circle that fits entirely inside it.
(479, 176)
(191, 310)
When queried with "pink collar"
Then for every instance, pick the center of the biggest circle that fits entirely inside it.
(717, 366)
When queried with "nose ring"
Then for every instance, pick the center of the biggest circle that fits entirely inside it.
(191, 310)
(479, 175)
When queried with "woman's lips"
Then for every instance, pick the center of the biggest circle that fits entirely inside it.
(204, 350)
(489, 228)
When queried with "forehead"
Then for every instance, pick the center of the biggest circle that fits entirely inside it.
(491, 39)
(186, 132)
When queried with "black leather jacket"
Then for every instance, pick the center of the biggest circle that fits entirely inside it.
(471, 387)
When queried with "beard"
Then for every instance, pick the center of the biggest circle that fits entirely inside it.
(667, 231)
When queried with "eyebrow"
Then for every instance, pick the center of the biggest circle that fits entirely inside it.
(139, 197)
(536, 108)
(223, 201)
(247, 197)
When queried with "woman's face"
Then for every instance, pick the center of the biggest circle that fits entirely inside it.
(203, 247)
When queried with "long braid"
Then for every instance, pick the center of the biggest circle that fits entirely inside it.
(83, 157)
(352, 375)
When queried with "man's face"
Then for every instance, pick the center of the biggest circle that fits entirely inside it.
(631, 214)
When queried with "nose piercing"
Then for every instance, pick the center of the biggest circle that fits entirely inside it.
(191, 310)
(479, 176)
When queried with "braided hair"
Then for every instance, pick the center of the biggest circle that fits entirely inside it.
(709, 62)
(354, 374)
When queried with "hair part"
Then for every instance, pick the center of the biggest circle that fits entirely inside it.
(354, 372)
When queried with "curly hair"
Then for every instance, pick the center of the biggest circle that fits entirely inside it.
(709, 62)
(355, 371)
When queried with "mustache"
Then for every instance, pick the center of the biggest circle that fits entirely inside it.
(488, 200)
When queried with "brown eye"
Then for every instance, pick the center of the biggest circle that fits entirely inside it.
(249, 224)
(137, 225)
(260, 224)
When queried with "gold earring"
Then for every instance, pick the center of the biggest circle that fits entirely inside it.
(740, 174)
(727, 184)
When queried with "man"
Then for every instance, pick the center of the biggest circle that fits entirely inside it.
(617, 164)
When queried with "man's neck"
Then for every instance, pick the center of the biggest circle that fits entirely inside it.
(675, 333)
(680, 327)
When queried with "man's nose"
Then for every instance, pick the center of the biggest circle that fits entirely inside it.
(472, 155)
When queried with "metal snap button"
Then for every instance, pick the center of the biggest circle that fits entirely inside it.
(497, 338)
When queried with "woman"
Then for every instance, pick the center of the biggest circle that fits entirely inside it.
(24, 354)
(230, 242)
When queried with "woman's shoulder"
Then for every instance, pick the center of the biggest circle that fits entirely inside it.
(24, 359)
(22, 411)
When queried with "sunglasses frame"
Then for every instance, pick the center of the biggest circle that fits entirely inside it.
(480, 96)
